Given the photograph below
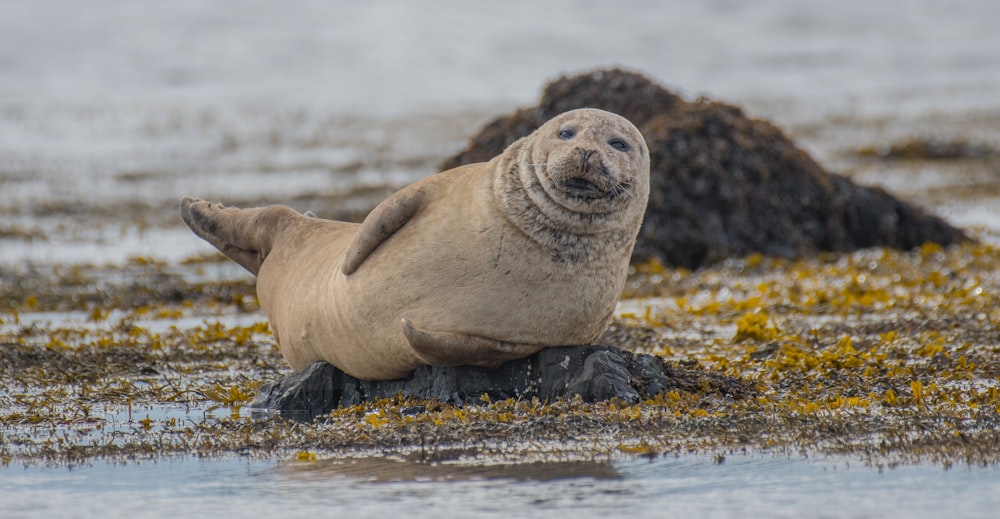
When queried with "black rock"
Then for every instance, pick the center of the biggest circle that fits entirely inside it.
(723, 184)
(595, 373)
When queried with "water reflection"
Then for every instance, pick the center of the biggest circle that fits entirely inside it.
(386, 470)
(474, 486)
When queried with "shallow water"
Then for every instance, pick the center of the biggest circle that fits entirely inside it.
(109, 114)
(684, 486)
(399, 57)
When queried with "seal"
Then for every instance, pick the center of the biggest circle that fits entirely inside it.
(477, 265)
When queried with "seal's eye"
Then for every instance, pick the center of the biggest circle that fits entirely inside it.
(619, 144)
(567, 134)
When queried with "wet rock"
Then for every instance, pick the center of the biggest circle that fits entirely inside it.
(595, 373)
(724, 184)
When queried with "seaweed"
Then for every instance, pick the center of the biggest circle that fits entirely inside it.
(889, 356)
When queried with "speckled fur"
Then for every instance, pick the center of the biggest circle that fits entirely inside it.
(476, 265)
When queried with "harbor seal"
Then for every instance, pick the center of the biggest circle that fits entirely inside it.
(477, 265)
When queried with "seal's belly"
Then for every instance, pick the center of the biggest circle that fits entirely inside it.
(480, 284)
(472, 277)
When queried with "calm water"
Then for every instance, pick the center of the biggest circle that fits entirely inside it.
(113, 102)
(134, 105)
(688, 486)
(397, 56)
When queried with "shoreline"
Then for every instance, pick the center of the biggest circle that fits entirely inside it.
(883, 356)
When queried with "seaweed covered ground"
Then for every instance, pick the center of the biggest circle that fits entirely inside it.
(887, 356)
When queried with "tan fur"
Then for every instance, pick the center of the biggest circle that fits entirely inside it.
(477, 265)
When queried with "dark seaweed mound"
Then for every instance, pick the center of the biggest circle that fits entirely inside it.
(724, 184)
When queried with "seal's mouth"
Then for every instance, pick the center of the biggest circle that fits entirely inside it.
(582, 188)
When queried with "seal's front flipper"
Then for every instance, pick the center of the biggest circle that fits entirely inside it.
(459, 349)
(387, 218)
(244, 235)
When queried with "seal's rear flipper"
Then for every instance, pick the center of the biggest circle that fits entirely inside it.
(244, 235)
(459, 349)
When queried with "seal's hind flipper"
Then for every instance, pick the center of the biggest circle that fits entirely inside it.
(244, 235)
(460, 349)
(387, 218)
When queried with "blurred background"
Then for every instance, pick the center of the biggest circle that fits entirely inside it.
(111, 110)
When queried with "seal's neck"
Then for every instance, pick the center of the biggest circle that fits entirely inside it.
(569, 236)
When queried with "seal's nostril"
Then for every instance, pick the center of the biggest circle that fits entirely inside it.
(585, 156)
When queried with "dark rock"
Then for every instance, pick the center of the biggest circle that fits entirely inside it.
(595, 373)
(724, 184)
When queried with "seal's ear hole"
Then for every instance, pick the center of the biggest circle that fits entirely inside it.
(567, 133)
(619, 144)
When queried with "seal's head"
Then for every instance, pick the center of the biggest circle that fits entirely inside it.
(578, 185)
(590, 161)
(582, 173)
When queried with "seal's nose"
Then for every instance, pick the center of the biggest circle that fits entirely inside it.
(585, 156)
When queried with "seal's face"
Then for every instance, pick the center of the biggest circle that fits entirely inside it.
(591, 161)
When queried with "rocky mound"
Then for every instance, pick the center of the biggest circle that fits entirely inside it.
(594, 373)
(724, 184)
